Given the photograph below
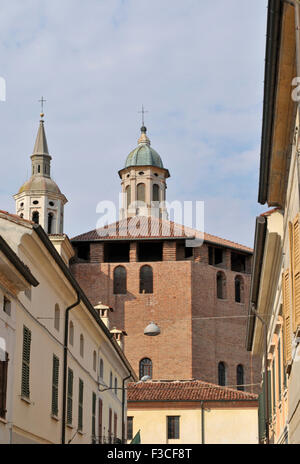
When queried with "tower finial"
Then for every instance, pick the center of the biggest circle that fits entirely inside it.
(42, 101)
(143, 115)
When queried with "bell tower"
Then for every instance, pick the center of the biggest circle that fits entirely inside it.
(144, 182)
(39, 199)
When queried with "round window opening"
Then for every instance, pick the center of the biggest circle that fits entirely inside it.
(51, 203)
(35, 202)
(156, 174)
(22, 204)
(141, 173)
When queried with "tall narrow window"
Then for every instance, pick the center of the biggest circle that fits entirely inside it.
(115, 427)
(100, 420)
(239, 289)
(141, 192)
(155, 193)
(7, 306)
(146, 279)
(36, 217)
(221, 285)
(120, 280)
(116, 386)
(240, 377)
(279, 369)
(50, 222)
(128, 195)
(80, 405)
(109, 425)
(94, 401)
(129, 428)
(70, 397)
(222, 374)
(101, 369)
(71, 333)
(274, 385)
(173, 427)
(145, 368)
(56, 317)
(95, 361)
(55, 374)
(3, 382)
(81, 346)
(110, 380)
(25, 390)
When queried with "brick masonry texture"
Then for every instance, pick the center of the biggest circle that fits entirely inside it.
(184, 295)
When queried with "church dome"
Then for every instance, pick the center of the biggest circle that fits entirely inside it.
(40, 183)
(143, 154)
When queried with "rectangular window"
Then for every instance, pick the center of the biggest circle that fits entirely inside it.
(109, 425)
(129, 428)
(3, 382)
(115, 427)
(100, 421)
(25, 390)
(94, 400)
(70, 397)
(7, 306)
(80, 405)
(215, 256)
(55, 374)
(173, 427)
(238, 262)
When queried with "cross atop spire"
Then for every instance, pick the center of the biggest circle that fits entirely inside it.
(143, 115)
(42, 101)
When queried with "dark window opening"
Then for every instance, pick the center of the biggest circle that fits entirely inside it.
(188, 252)
(215, 256)
(239, 289)
(150, 251)
(7, 306)
(50, 222)
(3, 382)
(240, 377)
(141, 192)
(146, 279)
(116, 252)
(35, 217)
(221, 286)
(155, 196)
(120, 281)
(145, 368)
(173, 427)
(238, 262)
(129, 428)
(39, 168)
(222, 374)
(83, 251)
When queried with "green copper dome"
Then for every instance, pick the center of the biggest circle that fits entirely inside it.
(143, 154)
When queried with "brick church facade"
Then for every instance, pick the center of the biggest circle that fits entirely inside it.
(198, 296)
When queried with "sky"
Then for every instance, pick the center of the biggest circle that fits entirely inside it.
(196, 66)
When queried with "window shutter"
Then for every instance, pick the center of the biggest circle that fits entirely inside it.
(55, 374)
(80, 405)
(94, 399)
(296, 273)
(269, 395)
(286, 316)
(70, 397)
(262, 413)
(3, 386)
(25, 391)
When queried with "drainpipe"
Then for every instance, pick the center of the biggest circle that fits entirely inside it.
(65, 364)
(202, 423)
(266, 371)
(123, 406)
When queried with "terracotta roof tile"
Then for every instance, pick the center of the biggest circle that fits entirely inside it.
(184, 390)
(149, 227)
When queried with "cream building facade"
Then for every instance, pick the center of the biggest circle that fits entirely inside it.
(275, 290)
(191, 412)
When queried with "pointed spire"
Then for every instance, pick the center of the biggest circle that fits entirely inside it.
(143, 138)
(41, 146)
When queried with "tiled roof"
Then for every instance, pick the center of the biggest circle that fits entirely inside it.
(143, 227)
(184, 390)
(15, 217)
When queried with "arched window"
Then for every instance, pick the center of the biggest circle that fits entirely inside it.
(222, 374)
(145, 368)
(146, 279)
(56, 317)
(239, 289)
(141, 192)
(36, 217)
(128, 195)
(155, 193)
(120, 281)
(81, 346)
(101, 369)
(240, 377)
(71, 333)
(50, 222)
(221, 285)
(95, 361)
(116, 386)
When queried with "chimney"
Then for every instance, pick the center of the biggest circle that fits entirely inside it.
(119, 336)
(103, 312)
